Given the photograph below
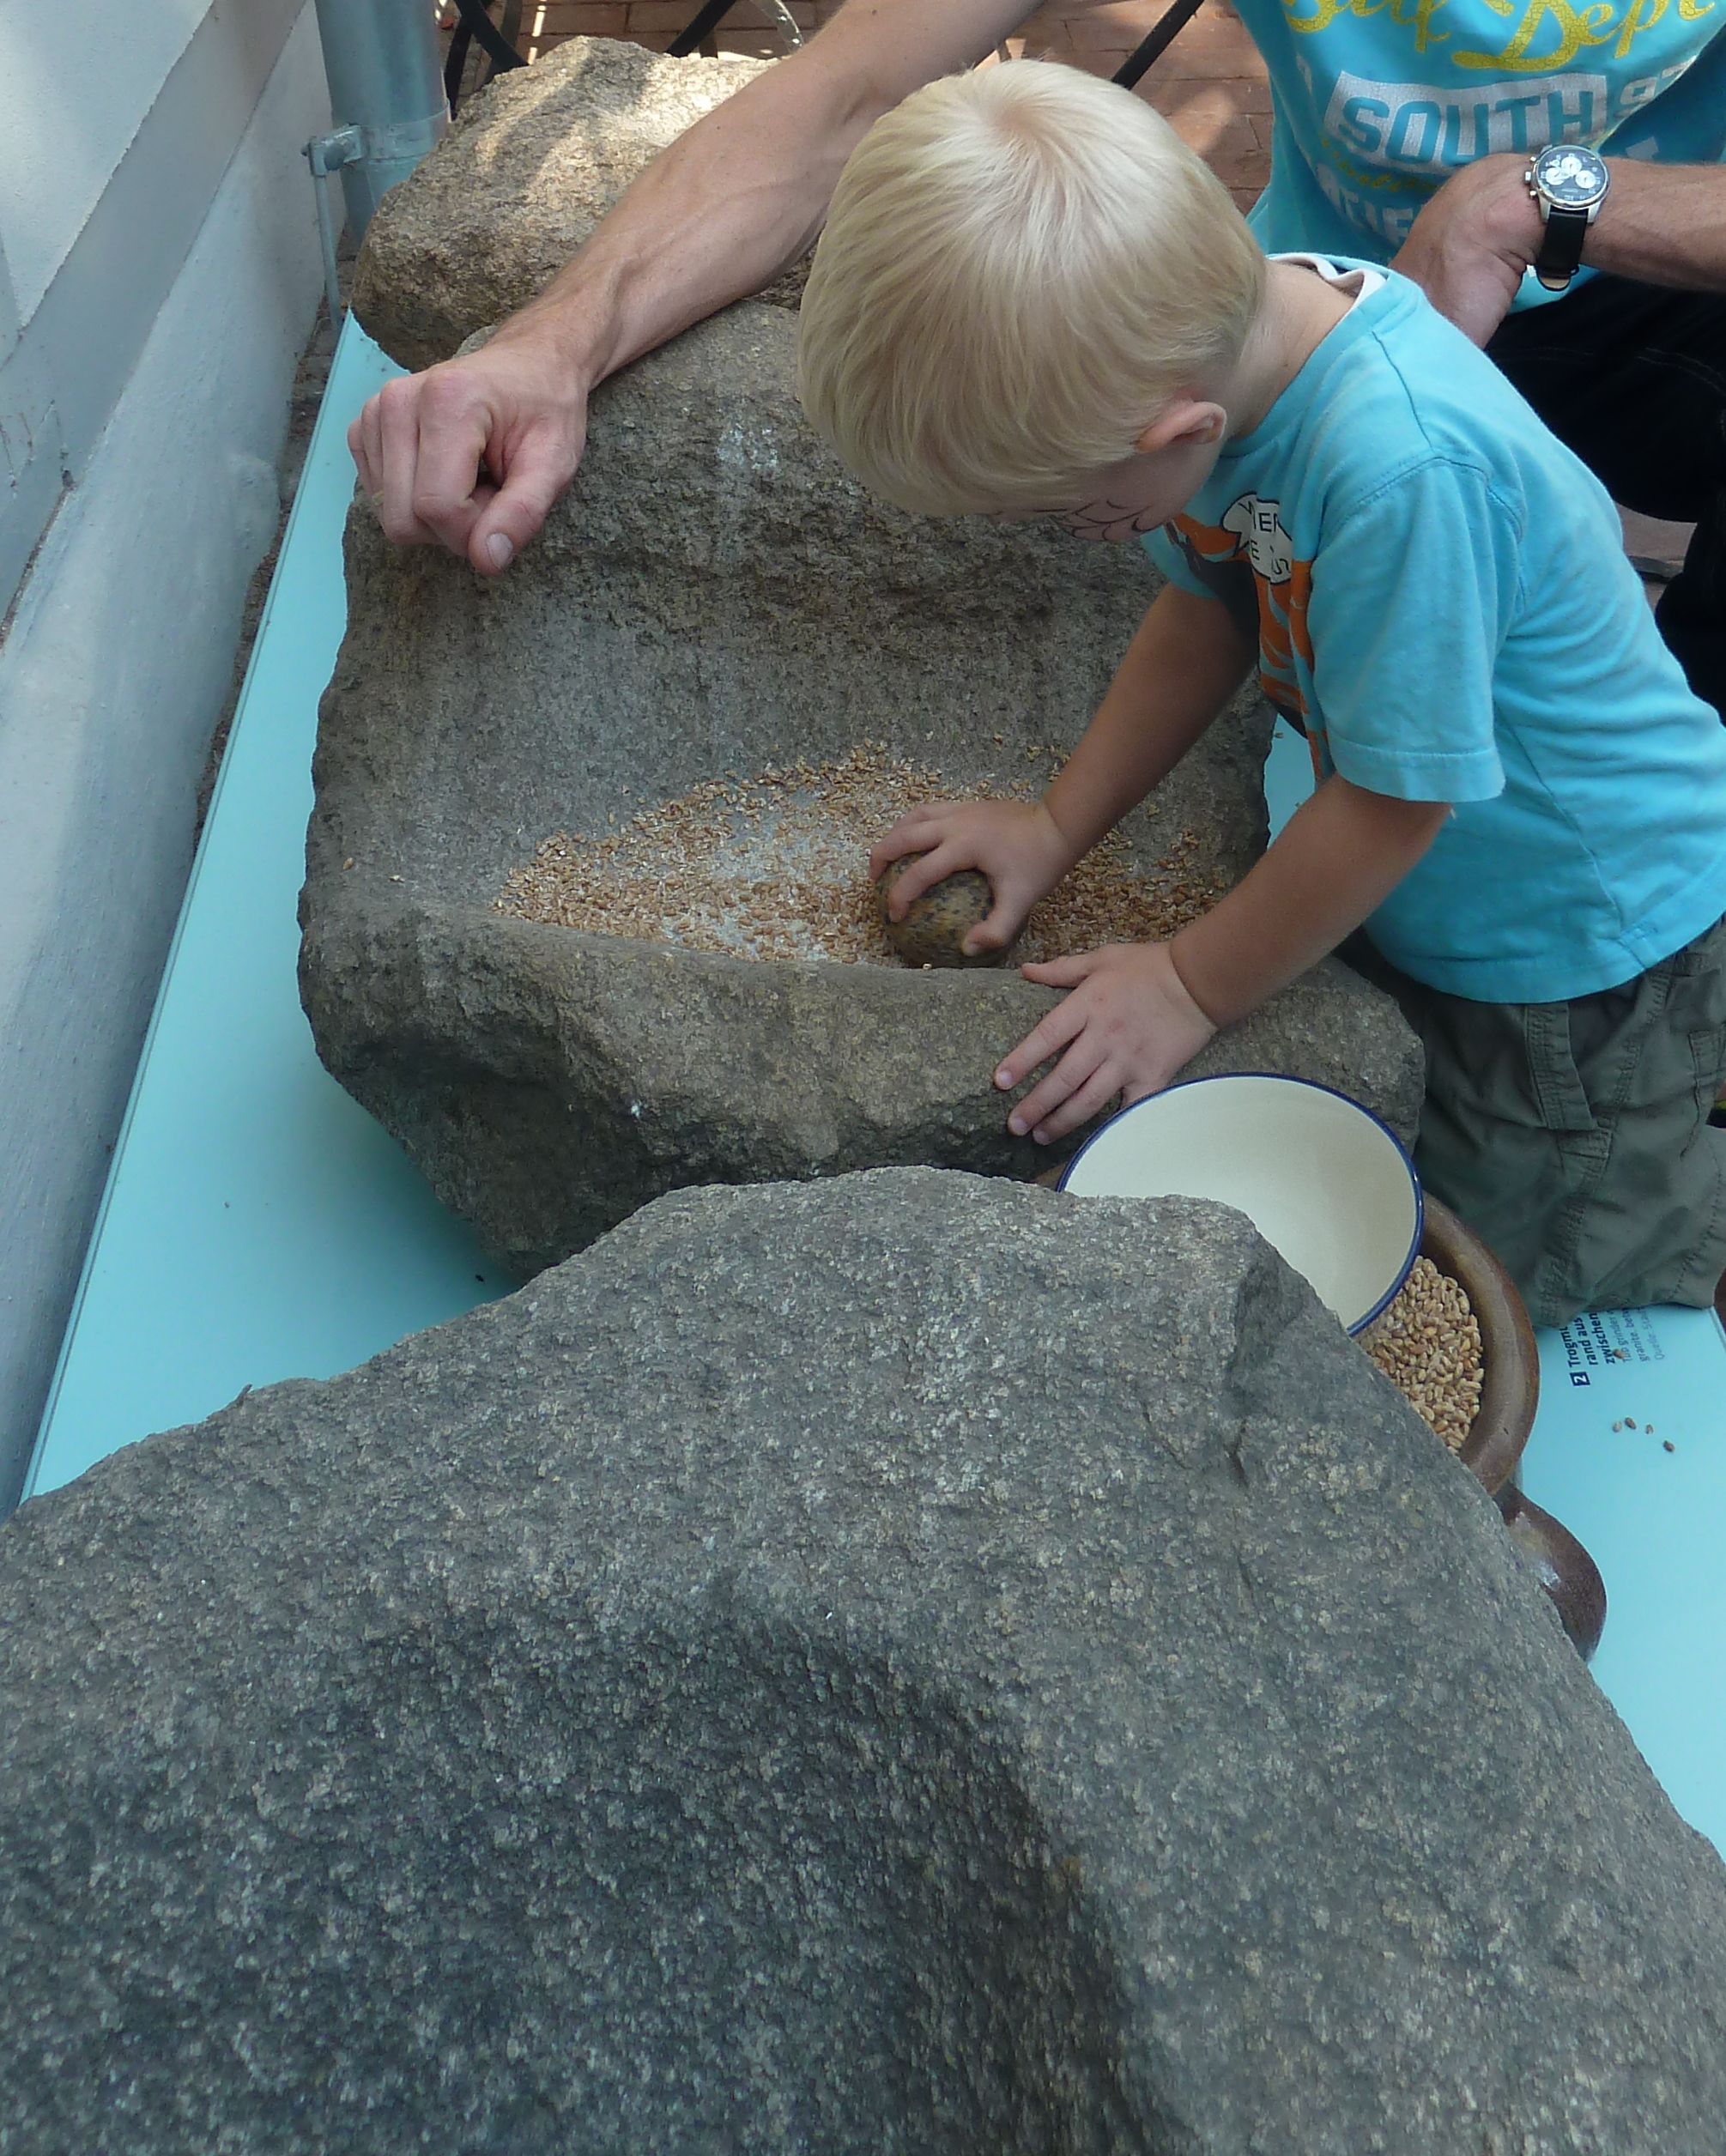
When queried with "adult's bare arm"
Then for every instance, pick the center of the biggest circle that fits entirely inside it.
(472, 453)
(1660, 224)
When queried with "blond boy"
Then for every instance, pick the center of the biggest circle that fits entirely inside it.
(1030, 297)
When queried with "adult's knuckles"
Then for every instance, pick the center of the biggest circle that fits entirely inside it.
(399, 399)
(402, 530)
(446, 398)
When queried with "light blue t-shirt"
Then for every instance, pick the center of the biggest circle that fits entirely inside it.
(1442, 603)
(1378, 102)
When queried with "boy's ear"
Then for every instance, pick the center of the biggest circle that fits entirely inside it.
(1184, 421)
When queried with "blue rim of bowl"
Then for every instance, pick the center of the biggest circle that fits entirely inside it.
(1221, 1077)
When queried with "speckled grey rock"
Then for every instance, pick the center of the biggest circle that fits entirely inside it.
(529, 168)
(905, 1664)
(934, 926)
(715, 595)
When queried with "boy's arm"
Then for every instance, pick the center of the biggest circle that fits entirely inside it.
(1338, 859)
(1139, 1012)
(1180, 670)
(1414, 593)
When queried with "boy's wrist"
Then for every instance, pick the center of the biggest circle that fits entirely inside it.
(1205, 995)
(1071, 846)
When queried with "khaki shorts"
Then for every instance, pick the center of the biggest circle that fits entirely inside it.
(1574, 1138)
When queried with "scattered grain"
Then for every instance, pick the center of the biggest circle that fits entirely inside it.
(776, 867)
(1428, 1345)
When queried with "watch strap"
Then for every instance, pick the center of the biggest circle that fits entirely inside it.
(1560, 247)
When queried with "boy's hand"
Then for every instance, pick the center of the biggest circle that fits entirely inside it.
(1128, 1025)
(1017, 844)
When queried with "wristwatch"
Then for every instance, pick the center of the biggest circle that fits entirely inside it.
(1569, 183)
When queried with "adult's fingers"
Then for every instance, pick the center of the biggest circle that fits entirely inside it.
(364, 446)
(450, 489)
(398, 423)
(536, 470)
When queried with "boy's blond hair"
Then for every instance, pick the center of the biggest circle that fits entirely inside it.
(1020, 267)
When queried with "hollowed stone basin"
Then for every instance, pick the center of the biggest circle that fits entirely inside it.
(901, 1664)
(715, 597)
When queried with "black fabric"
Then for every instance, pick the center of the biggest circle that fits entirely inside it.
(1632, 378)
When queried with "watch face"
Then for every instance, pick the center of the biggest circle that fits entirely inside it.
(1573, 178)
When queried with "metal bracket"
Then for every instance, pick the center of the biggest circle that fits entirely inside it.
(328, 153)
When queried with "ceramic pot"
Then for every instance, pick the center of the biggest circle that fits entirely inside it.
(1569, 1575)
(1511, 1369)
(1509, 1393)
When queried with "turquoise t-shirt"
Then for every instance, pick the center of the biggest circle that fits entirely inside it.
(1378, 102)
(1441, 602)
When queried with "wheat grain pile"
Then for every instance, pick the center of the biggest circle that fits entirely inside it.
(1428, 1345)
(776, 867)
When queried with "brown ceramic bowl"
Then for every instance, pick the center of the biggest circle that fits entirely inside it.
(1510, 1370)
(1509, 1391)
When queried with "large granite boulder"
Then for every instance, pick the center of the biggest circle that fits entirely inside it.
(529, 168)
(716, 595)
(906, 1663)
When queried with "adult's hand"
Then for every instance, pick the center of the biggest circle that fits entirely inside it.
(1468, 247)
(471, 454)
(1660, 224)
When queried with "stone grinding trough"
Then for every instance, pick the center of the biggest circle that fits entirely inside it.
(904, 1664)
(715, 596)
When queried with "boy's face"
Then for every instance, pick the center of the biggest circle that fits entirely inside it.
(1174, 457)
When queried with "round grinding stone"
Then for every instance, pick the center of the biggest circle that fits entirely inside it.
(934, 926)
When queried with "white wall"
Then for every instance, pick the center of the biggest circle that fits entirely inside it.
(118, 656)
(106, 184)
(80, 85)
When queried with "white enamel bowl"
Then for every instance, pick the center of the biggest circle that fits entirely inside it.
(1319, 1177)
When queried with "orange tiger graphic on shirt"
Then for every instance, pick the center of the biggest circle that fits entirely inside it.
(1248, 562)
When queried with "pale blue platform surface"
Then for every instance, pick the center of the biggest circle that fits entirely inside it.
(1652, 1521)
(259, 1225)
